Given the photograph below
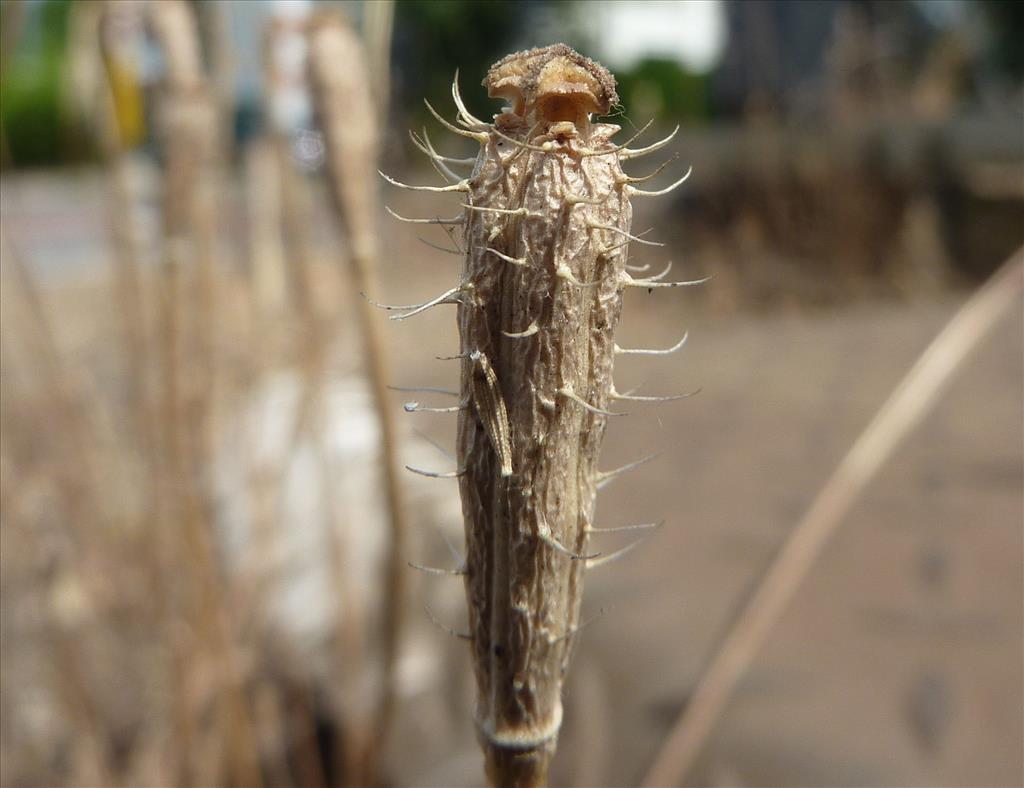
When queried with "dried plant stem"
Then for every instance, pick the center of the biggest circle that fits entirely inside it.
(265, 242)
(126, 276)
(284, 197)
(295, 215)
(530, 441)
(546, 227)
(215, 26)
(189, 136)
(347, 116)
(70, 426)
(904, 410)
(79, 702)
(69, 412)
(378, 27)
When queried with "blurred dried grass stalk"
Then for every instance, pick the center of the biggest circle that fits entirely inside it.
(378, 27)
(347, 115)
(186, 335)
(908, 404)
(149, 533)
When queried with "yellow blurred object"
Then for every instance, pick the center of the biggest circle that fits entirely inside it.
(127, 96)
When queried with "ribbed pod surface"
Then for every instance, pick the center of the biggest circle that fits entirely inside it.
(540, 298)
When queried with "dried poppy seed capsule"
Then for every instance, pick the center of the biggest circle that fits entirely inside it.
(546, 228)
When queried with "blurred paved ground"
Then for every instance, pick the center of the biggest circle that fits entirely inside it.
(900, 661)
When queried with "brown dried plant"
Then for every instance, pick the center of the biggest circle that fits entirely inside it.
(546, 227)
(150, 538)
(348, 117)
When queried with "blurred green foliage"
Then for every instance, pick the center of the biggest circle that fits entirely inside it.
(1006, 26)
(433, 38)
(663, 89)
(31, 105)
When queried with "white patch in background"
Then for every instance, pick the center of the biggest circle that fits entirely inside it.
(689, 31)
(283, 539)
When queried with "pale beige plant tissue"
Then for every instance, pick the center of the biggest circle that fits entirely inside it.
(546, 226)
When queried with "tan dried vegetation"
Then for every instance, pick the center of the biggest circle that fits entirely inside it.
(546, 229)
(150, 653)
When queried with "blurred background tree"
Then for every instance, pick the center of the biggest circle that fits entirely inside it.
(774, 52)
(36, 125)
(434, 38)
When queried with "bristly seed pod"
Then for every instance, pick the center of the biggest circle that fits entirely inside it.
(546, 228)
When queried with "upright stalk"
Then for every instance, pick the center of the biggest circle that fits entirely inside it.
(546, 227)
(348, 119)
(189, 125)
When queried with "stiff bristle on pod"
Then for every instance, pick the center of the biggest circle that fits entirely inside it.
(546, 228)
